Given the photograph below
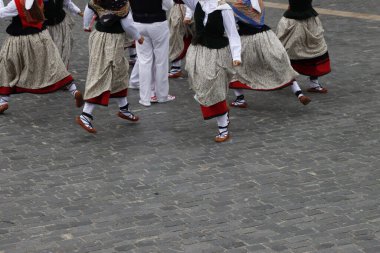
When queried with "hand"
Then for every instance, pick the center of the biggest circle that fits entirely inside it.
(187, 21)
(141, 40)
(81, 14)
(236, 63)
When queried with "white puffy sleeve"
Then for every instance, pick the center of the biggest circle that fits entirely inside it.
(129, 27)
(232, 34)
(68, 4)
(87, 18)
(8, 11)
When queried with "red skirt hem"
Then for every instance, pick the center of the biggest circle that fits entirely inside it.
(104, 98)
(49, 89)
(318, 66)
(213, 111)
(187, 42)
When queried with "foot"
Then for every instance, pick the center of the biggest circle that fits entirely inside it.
(147, 104)
(304, 100)
(239, 103)
(125, 113)
(79, 102)
(84, 121)
(318, 90)
(168, 99)
(175, 74)
(222, 137)
(153, 99)
(3, 108)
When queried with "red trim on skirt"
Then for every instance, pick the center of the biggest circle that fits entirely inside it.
(213, 111)
(187, 42)
(49, 89)
(240, 85)
(318, 66)
(104, 98)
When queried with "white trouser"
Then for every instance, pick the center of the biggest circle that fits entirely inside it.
(134, 81)
(153, 60)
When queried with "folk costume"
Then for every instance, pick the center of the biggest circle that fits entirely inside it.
(180, 17)
(209, 60)
(300, 31)
(153, 55)
(60, 25)
(29, 60)
(266, 65)
(107, 75)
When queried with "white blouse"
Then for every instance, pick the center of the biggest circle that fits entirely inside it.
(229, 26)
(11, 10)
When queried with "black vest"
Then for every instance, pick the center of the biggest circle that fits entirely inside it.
(114, 28)
(147, 11)
(300, 9)
(210, 35)
(54, 13)
(246, 29)
(16, 29)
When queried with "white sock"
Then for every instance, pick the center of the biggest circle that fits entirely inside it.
(223, 122)
(177, 63)
(314, 83)
(88, 108)
(72, 88)
(238, 92)
(132, 52)
(296, 89)
(4, 100)
(176, 67)
(122, 101)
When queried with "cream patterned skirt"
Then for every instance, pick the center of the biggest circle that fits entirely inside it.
(210, 71)
(178, 30)
(302, 39)
(108, 66)
(31, 64)
(62, 36)
(265, 63)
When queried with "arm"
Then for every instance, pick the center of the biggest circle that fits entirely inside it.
(8, 11)
(87, 18)
(232, 34)
(189, 13)
(129, 27)
(167, 4)
(189, 3)
(71, 7)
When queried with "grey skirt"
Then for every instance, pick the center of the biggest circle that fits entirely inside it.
(302, 39)
(265, 63)
(62, 36)
(210, 71)
(108, 65)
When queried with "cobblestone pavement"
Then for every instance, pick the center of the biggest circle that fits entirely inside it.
(292, 179)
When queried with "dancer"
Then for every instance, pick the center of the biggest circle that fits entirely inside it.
(300, 31)
(29, 60)
(153, 56)
(266, 65)
(60, 25)
(107, 75)
(209, 61)
(180, 18)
